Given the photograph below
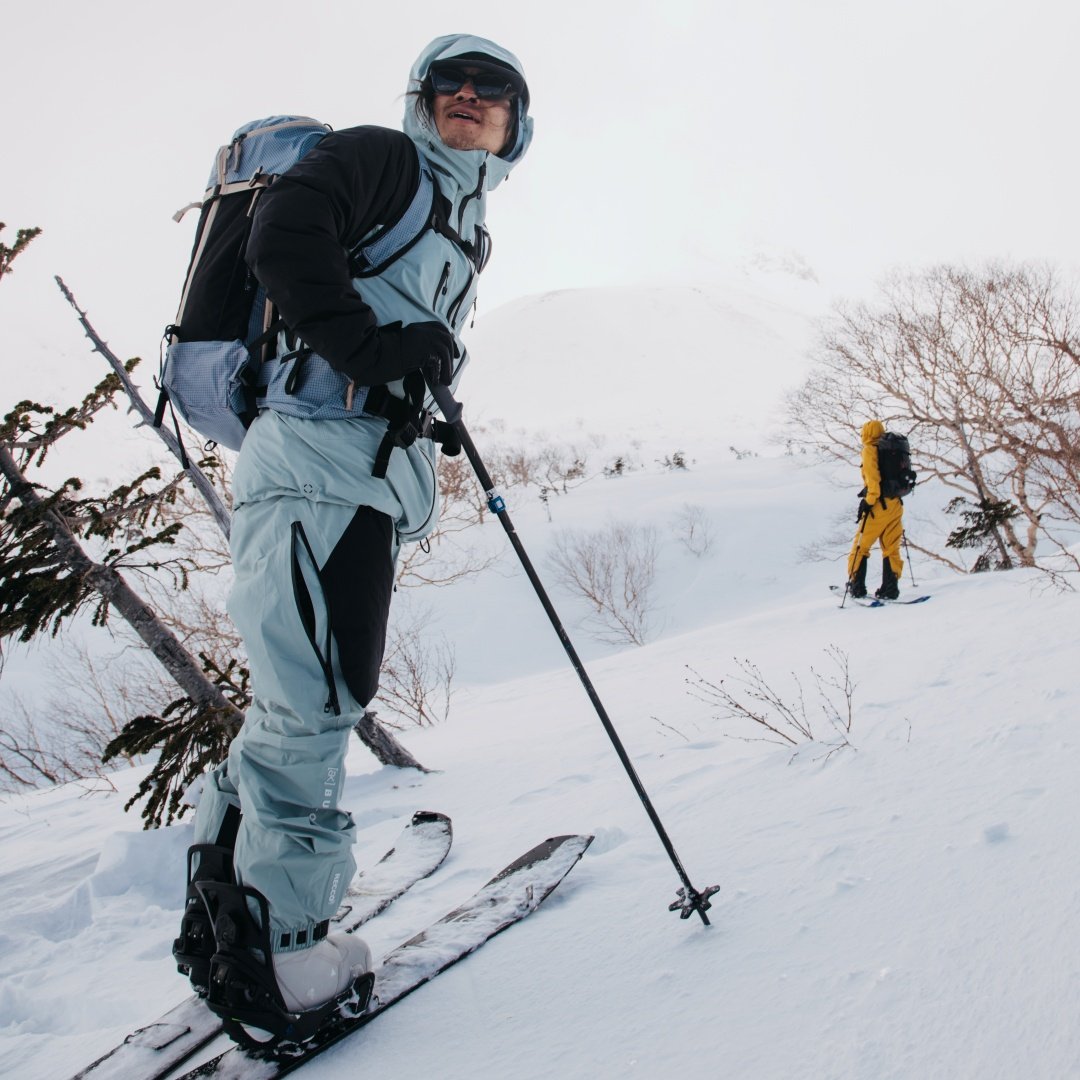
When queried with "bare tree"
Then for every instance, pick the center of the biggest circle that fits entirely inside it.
(979, 367)
(48, 574)
(614, 570)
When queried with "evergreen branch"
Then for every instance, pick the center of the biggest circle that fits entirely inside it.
(86, 576)
(25, 429)
(8, 255)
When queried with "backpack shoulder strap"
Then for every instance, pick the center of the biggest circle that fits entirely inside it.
(374, 254)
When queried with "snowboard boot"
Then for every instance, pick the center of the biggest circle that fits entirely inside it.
(309, 977)
(890, 587)
(857, 582)
(265, 999)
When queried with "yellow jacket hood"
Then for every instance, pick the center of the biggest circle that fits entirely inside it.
(872, 430)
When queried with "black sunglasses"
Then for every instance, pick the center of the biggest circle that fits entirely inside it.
(450, 78)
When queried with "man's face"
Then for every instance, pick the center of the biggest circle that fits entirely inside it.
(466, 121)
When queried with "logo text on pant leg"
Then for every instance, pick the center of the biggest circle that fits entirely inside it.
(334, 886)
(329, 787)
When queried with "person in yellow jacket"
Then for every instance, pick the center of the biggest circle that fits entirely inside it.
(880, 520)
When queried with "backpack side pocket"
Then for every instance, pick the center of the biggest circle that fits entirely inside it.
(209, 384)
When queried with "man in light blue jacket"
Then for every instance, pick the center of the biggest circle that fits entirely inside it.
(323, 499)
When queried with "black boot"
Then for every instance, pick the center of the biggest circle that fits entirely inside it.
(857, 584)
(890, 587)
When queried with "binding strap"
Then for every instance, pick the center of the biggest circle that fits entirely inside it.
(243, 991)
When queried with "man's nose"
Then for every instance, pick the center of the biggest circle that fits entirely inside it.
(467, 90)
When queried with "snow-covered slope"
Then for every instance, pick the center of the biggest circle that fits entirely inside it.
(903, 908)
(674, 362)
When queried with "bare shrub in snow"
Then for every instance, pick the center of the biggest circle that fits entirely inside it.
(613, 569)
(620, 466)
(33, 754)
(751, 700)
(675, 462)
(562, 467)
(692, 529)
(417, 672)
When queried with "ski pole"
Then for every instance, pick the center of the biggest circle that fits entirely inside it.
(847, 584)
(689, 899)
(907, 548)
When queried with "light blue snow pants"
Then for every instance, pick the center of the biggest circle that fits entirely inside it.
(286, 766)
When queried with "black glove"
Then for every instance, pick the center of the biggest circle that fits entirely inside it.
(447, 437)
(430, 348)
(394, 351)
(865, 510)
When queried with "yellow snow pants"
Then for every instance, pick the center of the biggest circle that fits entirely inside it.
(882, 524)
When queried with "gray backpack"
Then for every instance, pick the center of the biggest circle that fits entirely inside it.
(221, 348)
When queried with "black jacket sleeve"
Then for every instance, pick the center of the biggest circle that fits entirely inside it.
(303, 227)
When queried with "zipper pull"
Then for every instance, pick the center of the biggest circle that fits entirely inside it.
(444, 284)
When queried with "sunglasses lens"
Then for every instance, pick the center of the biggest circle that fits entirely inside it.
(449, 80)
(446, 80)
(492, 86)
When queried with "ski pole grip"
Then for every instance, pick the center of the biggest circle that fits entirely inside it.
(449, 406)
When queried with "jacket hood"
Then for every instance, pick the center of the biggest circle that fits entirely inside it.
(422, 131)
(872, 430)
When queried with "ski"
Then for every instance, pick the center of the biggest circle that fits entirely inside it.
(873, 601)
(152, 1052)
(507, 898)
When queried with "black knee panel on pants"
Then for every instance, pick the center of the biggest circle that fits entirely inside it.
(358, 579)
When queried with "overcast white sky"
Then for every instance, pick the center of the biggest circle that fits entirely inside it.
(671, 139)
